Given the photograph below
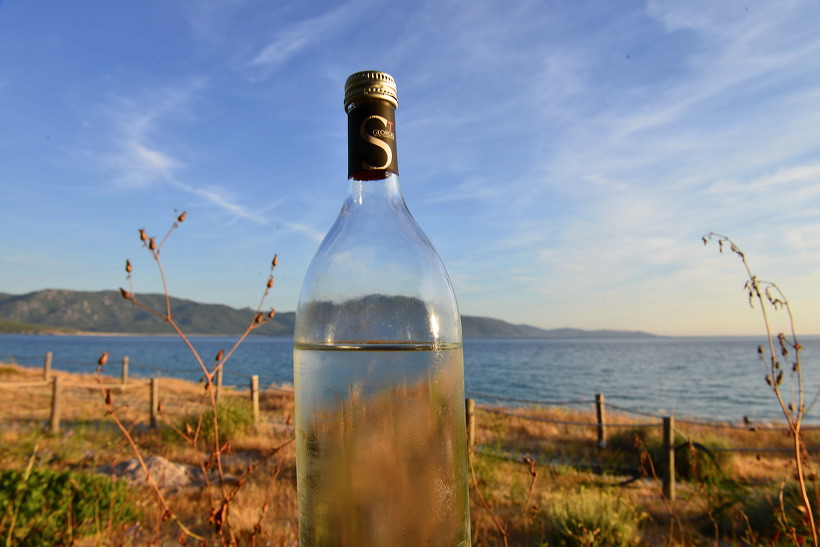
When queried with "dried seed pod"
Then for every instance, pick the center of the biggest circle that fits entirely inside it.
(275, 260)
(152, 244)
(219, 518)
(103, 359)
(271, 313)
(128, 267)
(220, 355)
(125, 294)
(270, 282)
(181, 218)
(143, 235)
(109, 398)
(760, 350)
(258, 318)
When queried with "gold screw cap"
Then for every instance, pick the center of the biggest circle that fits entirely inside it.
(370, 84)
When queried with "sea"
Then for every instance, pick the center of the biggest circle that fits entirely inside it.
(705, 378)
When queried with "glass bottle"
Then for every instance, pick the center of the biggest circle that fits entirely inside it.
(378, 366)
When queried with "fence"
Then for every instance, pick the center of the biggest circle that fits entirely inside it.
(58, 385)
(107, 386)
(668, 425)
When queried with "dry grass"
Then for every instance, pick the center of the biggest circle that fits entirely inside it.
(266, 504)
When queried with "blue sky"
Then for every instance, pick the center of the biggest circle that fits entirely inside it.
(564, 157)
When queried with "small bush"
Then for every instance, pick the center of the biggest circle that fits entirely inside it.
(234, 417)
(592, 517)
(59, 507)
(632, 440)
(9, 370)
(760, 513)
(700, 460)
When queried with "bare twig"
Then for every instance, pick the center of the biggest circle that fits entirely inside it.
(219, 513)
(767, 292)
(504, 530)
(484, 503)
(534, 477)
(168, 513)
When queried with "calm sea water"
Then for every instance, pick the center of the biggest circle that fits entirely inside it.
(708, 378)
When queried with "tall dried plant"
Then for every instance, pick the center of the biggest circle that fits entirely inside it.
(221, 493)
(782, 345)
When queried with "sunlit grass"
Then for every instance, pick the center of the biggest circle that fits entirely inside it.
(569, 462)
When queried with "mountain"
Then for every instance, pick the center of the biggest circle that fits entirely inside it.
(108, 312)
(63, 311)
(486, 327)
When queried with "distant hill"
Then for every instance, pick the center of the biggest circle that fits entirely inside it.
(64, 311)
(486, 327)
(108, 312)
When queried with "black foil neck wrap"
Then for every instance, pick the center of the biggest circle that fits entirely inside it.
(370, 100)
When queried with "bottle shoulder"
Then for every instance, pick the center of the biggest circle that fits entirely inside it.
(376, 276)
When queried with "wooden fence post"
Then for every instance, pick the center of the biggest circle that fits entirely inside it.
(218, 383)
(470, 411)
(669, 457)
(601, 412)
(154, 401)
(56, 404)
(255, 399)
(125, 370)
(47, 365)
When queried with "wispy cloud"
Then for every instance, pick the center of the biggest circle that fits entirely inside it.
(137, 155)
(141, 158)
(717, 146)
(139, 166)
(310, 232)
(300, 35)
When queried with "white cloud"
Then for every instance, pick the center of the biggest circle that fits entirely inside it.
(789, 176)
(299, 36)
(310, 232)
(143, 155)
(139, 166)
(221, 199)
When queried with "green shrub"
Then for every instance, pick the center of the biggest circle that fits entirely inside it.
(59, 507)
(234, 417)
(592, 517)
(700, 460)
(631, 440)
(8, 370)
(760, 514)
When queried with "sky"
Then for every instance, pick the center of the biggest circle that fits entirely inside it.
(564, 157)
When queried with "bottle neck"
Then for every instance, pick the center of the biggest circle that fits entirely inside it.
(371, 141)
(374, 193)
